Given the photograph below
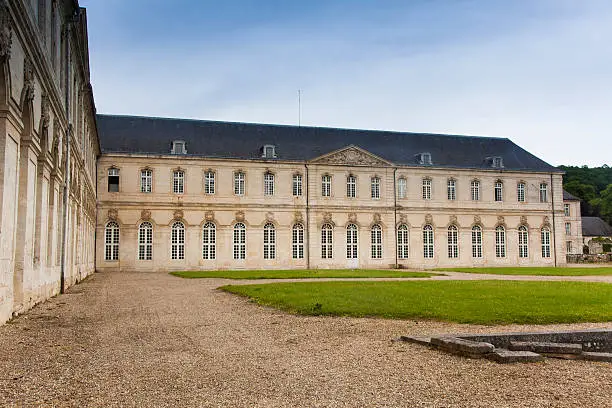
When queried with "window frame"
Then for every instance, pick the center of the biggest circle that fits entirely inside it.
(545, 238)
(239, 183)
(403, 241)
(146, 180)
(326, 185)
(209, 241)
(543, 192)
(297, 241)
(351, 186)
(523, 242)
(566, 210)
(145, 241)
(210, 181)
(402, 187)
(475, 190)
(500, 242)
(269, 241)
(269, 180)
(452, 236)
(178, 181)
(521, 192)
(498, 191)
(477, 241)
(327, 241)
(451, 189)
(426, 188)
(177, 241)
(297, 185)
(112, 235)
(376, 243)
(428, 242)
(352, 241)
(116, 173)
(239, 241)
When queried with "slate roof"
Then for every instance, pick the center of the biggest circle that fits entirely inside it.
(569, 197)
(595, 227)
(212, 139)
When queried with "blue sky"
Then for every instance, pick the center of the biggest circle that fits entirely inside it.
(536, 71)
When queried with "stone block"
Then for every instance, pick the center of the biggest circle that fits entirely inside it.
(593, 356)
(424, 341)
(508, 356)
(546, 347)
(468, 348)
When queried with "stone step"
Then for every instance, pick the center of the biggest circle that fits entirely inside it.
(468, 348)
(508, 356)
(424, 341)
(546, 347)
(596, 356)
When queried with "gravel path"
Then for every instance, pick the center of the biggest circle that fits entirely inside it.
(128, 339)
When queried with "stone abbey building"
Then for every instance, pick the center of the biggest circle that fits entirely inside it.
(81, 191)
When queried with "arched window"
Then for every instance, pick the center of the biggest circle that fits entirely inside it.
(146, 180)
(269, 184)
(428, 242)
(111, 242)
(376, 240)
(351, 241)
(402, 242)
(500, 242)
(351, 186)
(401, 187)
(475, 190)
(209, 182)
(239, 241)
(326, 185)
(453, 241)
(145, 241)
(269, 250)
(326, 241)
(178, 182)
(209, 241)
(375, 187)
(178, 241)
(239, 183)
(523, 238)
(476, 241)
(297, 241)
(499, 191)
(545, 242)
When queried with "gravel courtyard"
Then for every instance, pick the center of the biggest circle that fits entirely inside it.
(127, 339)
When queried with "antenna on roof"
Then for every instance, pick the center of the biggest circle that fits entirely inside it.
(299, 107)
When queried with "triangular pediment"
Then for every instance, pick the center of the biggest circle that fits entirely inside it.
(351, 156)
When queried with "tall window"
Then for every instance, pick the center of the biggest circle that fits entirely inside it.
(543, 192)
(426, 189)
(178, 183)
(178, 241)
(297, 241)
(428, 242)
(145, 241)
(568, 228)
(209, 241)
(326, 182)
(451, 189)
(351, 241)
(375, 187)
(269, 184)
(566, 210)
(520, 192)
(376, 235)
(500, 242)
(545, 242)
(476, 241)
(326, 241)
(111, 242)
(475, 190)
(297, 185)
(401, 187)
(269, 250)
(239, 185)
(239, 241)
(113, 180)
(146, 181)
(209, 182)
(402, 242)
(453, 242)
(351, 186)
(499, 191)
(568, 247)
(523, 236)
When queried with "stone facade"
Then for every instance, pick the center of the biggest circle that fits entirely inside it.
(129, 207)
(38, 45)
(572, 227)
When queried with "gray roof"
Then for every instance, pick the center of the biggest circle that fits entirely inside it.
(595, 227)
(212, 139)
(569, 196)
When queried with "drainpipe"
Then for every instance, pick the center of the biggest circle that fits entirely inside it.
(395, 214)
(64, 252)
(554, 233)
(307, 218)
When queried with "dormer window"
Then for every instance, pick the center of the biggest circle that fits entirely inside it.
(179, 147)
(268, 152)
(497, 162)
(424, 158)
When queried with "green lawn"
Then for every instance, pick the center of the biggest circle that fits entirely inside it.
(544, 271)
(303, 273)
(478, 302)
